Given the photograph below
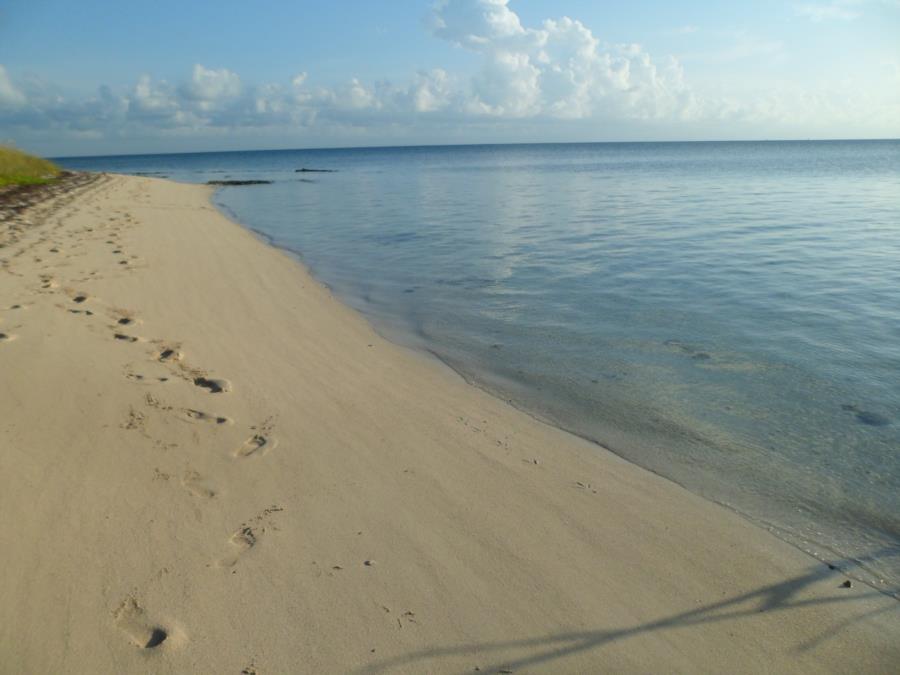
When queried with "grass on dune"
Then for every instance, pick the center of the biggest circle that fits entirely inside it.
(19, 168)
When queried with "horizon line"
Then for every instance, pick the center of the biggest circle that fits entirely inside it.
(476, 145)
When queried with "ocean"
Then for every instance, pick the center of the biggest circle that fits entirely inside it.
(724, 314)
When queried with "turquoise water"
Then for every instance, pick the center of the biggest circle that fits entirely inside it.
(725, 314)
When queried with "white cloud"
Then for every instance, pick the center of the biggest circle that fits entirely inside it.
(152, 98)
(9, 95)
(842, 10)
(209, 85)
(836, 10)
(509, 85)
(431, 91)
(478, 24)
(555, 75)
(558, 69)
(356, 96)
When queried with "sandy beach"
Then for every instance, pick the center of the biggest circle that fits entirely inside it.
(210, 465)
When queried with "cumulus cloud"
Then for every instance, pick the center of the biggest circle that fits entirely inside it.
(431, 91)
(211, 99)
(479, 24)
(153, 102)
(207, 85)
(558, 69)
(555, 72)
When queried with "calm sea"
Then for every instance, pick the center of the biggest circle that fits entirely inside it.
(725, 314)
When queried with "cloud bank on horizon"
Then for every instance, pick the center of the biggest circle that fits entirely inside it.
(528, 77)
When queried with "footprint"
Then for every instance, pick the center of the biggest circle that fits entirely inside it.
(248, 535)
(131, 619)
(170, 354)
(214, 386)
(257, 444)
(199, 416)
(136, 420)
(125, 321)
(125, 338)
(193, 482)
(6, 337)
(242, 540)
(143, 379)
(81, 297)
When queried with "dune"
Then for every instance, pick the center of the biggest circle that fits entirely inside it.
(211, 465)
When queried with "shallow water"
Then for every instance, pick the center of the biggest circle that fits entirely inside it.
(726, 314)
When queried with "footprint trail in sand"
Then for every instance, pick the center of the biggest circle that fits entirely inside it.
(131, 619)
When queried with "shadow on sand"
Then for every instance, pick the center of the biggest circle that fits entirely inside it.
(780, 597)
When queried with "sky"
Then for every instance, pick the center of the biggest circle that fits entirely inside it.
(93, 78)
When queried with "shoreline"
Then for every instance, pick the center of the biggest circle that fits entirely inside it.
(850, 565)
(335, 502)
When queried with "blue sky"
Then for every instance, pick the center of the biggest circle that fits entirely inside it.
(101, 77)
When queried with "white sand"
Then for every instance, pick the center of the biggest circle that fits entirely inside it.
(495, 542)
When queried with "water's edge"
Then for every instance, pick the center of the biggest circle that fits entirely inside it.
(854, 569)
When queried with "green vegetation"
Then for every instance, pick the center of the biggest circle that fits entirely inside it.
(18, 168)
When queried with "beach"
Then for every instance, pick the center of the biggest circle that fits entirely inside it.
(212, 465)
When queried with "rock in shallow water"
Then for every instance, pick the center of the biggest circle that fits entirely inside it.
(238, 182)
(867, 417)
(871, 419)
